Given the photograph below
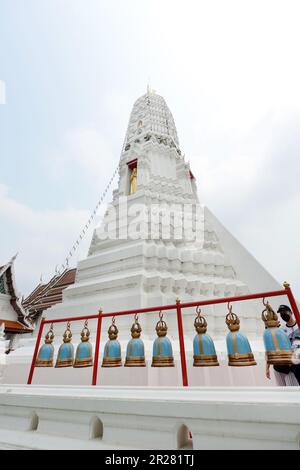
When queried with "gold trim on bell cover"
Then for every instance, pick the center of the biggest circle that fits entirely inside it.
(239, 360)
(204, 360)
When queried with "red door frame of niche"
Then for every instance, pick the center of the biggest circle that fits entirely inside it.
(132, 164)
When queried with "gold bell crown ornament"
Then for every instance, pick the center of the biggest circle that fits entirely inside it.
(84, 352)
(112, 349)
(238, 346)
(162, 347)
(204, 348)
(65, 357)
(135, 353)
(46, 353)
(277, 344)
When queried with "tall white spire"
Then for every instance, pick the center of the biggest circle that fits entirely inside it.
(151, 116)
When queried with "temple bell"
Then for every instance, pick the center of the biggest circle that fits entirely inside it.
(65, 357)
(112, 349)
(204, 348)
(84, 352)
(135, 353)
(238, 346)
(46, 353)
(277, 343)
(162, 347)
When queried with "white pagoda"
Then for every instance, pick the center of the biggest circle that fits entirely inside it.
(157, 243)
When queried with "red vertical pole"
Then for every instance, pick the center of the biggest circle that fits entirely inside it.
(181, 344)
(37, 346)
(97, 349)
(292, 302)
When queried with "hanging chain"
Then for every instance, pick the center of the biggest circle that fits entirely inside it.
(82, 234)
(64, 267)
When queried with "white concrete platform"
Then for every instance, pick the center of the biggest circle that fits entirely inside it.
(48, 417)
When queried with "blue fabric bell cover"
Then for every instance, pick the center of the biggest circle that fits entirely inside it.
(84, 351)
(208, 346)
(46, 352)
(162, 347)
(242, 343)
(135, 348)
(276, 335)
(112, 348)
(66, 352)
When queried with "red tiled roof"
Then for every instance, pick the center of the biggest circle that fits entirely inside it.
(34, 294)
(15, 327)
(48, 295)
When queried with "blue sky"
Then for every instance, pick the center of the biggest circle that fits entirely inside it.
(230, 74)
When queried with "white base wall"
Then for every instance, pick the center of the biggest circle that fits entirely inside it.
(44, 417)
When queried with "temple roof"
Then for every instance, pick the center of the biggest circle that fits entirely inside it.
(14, 327)
(47, 295)
(150, 114)
(8, 287)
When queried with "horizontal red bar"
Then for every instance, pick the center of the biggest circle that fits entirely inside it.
(69, 319)
(200, 303)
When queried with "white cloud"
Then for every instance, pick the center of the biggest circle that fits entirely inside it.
(251, 183)
(42, 238)
(84, 150)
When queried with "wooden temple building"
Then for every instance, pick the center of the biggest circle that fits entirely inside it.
(20, 316)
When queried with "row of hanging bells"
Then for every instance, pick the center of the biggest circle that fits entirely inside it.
(65, 356)
(135, 352)
(277, 345)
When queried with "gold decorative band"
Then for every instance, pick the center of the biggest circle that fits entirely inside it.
(112, 362)
(163, 361)
(205, 360)
(241, 360)
(132, 361)
(83, 363)
(64, 363)
(44, 363)
(279, 357)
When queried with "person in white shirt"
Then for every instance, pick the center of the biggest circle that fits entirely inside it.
(288, 375)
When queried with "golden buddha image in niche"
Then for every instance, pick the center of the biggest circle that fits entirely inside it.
(133, 181)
